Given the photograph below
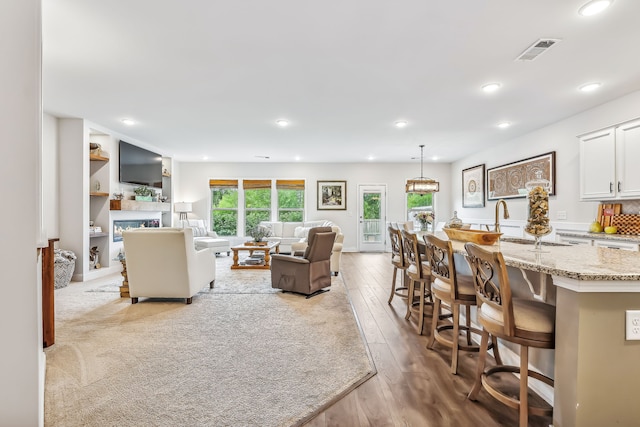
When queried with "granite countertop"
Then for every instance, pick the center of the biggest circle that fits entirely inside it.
(577, 262)
(601, 236)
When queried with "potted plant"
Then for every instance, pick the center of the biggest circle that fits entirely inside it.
(143, 193)
(259, 232)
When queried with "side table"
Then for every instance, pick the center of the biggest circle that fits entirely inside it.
(124, 288)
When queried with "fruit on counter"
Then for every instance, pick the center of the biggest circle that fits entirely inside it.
(611, 229)
(595, 227)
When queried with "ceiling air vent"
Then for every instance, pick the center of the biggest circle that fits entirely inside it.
(539, 47)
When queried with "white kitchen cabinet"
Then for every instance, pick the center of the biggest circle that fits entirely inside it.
(627, 156)
(627, 246)
(588, 240)
(597, 165)
(608, 163)
(575, 240)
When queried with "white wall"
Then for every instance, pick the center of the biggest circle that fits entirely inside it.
(560, 137)
(50, 175)
(191, 179)
(191, 184)
(21, 358)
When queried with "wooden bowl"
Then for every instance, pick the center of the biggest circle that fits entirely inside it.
(478, 237)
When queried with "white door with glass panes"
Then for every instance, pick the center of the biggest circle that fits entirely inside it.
(371, 218)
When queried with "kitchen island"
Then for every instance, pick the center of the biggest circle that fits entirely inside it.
(596, 371)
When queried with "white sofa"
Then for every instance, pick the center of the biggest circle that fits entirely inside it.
(163, 263)
(293, 237)
(204, 238)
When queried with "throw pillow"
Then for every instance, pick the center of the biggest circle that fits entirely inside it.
(301, 232)
(199, 231)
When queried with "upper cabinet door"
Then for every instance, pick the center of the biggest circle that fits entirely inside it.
(598, 165)
(628, 159)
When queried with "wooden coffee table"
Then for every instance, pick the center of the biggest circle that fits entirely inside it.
(254, 248)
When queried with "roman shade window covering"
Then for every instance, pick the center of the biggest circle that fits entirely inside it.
(254, 184)
(223, 183)
(290, 184)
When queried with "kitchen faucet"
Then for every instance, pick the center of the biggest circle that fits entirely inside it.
(506, 214)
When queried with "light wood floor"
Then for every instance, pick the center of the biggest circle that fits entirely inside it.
(413, 386)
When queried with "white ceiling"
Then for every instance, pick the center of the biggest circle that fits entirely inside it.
(210, 77)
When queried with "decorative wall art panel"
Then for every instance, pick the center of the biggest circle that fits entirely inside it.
(508, 181)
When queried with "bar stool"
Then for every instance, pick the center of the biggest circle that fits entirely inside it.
(399, 262)
(529, 323)
(454, 290)
(418, 271)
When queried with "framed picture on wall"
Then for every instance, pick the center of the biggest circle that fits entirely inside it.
(473, 187)
(332, 195)
(508, 181)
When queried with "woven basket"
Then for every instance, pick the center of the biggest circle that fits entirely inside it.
(64, 264)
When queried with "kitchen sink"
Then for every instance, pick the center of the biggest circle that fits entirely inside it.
(523, 241)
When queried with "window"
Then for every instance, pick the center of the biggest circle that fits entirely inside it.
(257, 202)
(290, 200)
(224, 206)
(418, 203)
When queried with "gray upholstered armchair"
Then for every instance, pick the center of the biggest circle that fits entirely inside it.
(309, 274)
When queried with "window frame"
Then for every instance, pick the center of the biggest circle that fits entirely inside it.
(251, 185)
(290, 185)
(216, 185)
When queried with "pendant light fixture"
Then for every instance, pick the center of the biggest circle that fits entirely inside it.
(422, 185)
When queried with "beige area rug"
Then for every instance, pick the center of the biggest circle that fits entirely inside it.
(241, 355)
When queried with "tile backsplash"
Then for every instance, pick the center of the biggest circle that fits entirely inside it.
(630, 207)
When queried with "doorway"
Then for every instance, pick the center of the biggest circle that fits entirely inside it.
(371, 218)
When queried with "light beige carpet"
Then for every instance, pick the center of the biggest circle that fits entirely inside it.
(240, 355)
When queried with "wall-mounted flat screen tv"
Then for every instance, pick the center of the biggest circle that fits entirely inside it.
(140, 166)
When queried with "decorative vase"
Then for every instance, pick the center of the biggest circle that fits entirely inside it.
(538, 209)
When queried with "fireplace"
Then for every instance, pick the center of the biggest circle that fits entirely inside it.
(127, 224)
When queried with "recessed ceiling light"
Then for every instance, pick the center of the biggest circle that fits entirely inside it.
(297, 158)
(370, 157)
(504, 125)
(491, 87)
(590, 87)
(128, 122)
(205, 157)
(282, 123)
(401, 123)
(594, 7)
(434, 158)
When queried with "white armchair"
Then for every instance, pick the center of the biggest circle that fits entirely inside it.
(163, 263)
(205, 238)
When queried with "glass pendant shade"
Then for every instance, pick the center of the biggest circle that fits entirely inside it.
(422, 185)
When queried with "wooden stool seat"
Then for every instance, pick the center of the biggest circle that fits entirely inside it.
(399, 262)
(528, 323)
(417, 272)
(451, 290)
(441, 290)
